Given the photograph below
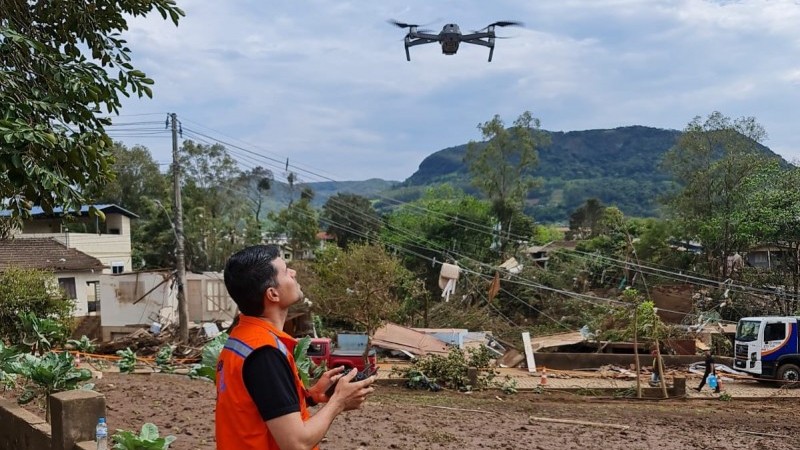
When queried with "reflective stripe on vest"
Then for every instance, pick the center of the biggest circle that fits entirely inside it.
(240, 348)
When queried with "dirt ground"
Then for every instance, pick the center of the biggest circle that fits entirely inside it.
(397, 418)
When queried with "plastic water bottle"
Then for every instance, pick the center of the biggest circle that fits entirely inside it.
(101, 434)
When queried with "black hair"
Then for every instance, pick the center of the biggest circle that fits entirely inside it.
(248, 274)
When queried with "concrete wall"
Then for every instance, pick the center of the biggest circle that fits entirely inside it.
(118, 293)
(74, 415)
(22, 430)
(572, 361)
(207, 298)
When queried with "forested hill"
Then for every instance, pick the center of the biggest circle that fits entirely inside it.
(620, 167)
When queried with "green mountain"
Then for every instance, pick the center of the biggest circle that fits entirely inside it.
(620, 167)
(279, 195)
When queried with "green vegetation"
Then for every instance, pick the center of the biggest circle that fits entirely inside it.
(308, 371)
(25, 296)
(164, 359)
(450, 371)
(501, 166)
(50, 373)
(127, 360)
(62, 65)
(147, 439)
(208, 359)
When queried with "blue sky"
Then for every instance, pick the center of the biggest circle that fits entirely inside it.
(326, 83)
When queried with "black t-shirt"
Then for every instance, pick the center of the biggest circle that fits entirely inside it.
(270, 382)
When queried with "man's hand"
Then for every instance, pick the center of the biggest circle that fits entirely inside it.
(351, 395)
(317, 392)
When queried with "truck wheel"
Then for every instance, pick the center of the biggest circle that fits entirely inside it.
(789, 372)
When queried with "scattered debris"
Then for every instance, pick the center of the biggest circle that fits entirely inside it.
(395, 337)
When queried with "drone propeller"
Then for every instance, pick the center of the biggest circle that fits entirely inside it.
(401, 24)
(503, 23)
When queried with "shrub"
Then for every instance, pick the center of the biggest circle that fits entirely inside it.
(30, 291)
(451, 370)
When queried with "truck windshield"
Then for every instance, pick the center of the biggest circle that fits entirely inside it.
(747, 330)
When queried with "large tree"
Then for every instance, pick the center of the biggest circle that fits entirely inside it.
(298, 222)
(445, 223)
(63, 66)
(216, 219)
(501, 166)
(712, 161)
(350, 218)
(138, 180)
(362, 286)
(772, 217)
(255, 184)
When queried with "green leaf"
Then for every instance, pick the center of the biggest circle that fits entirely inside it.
(149, 432)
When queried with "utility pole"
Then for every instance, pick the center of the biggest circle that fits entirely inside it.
(180, 262)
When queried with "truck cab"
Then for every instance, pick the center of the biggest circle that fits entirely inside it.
(767, 347)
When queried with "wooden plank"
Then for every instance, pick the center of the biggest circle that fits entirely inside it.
(578, 422)
(526, 342)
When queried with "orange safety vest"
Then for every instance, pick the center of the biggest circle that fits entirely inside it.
(239, 425)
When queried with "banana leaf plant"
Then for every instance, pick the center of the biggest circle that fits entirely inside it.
(207, 369)
(308, 371)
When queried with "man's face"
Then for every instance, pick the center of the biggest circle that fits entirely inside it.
(288, 289)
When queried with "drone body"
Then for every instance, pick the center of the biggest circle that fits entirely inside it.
(450, 37)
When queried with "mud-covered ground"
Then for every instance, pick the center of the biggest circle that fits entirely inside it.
(397, 418)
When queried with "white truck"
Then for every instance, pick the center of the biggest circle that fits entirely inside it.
(767, 348)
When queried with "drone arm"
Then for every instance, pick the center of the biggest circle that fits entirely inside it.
(412, 43)
(416, 35)
(489, 44)
(487, 34)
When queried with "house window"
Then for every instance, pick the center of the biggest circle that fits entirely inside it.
(68, 286)
(93, 296)
(216, 296)
(117, 267)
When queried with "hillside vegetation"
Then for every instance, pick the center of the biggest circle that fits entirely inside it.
(620, 167)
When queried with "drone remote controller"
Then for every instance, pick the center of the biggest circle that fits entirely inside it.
(361, 375)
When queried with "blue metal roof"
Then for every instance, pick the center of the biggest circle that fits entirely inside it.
(110, 208)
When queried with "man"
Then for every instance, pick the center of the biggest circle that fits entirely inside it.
(709, 370)
(261, 402)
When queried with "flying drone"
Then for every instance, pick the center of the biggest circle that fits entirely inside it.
(450, 37)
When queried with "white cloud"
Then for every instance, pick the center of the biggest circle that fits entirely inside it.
(326, 83)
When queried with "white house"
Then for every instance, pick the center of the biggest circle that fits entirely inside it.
(109, 240)
(77, 273)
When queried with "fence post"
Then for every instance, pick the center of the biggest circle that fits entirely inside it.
(73, 416)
